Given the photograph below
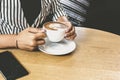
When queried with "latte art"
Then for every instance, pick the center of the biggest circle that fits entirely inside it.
(54, 26)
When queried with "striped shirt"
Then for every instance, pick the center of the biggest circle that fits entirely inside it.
(13, 21)
(76, 10)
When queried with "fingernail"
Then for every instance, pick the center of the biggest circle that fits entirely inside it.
(43, 30)
(65, 35)
(67, 30)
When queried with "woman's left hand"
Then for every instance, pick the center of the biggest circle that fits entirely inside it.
(70, 32)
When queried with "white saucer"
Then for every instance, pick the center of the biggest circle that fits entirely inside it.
(59, 48)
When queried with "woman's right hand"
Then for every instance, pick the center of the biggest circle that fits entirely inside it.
(30, 38)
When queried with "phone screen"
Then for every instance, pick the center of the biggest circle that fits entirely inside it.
(10, 67)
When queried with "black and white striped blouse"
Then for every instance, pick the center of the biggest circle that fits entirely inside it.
(13, 21)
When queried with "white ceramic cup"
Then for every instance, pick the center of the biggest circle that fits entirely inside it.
(55, 31)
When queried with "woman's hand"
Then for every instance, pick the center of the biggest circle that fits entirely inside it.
(30, 38)
(70, 32)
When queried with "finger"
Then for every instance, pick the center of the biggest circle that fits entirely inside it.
(30, 48)
(40, 35)
(70, 33)
(42, 30)
(69, 28)
(32, 43)
(35, 30)
(32, 30)
(40, 42)
(71, 37)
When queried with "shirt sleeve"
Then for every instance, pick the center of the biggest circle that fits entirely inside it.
(5, 28)
(57, 10)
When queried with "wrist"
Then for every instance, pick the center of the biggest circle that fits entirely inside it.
(15, 44)
(8, 41)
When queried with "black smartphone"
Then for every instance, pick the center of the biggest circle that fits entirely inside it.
(10, 67)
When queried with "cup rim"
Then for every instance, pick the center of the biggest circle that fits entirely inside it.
(53, 22)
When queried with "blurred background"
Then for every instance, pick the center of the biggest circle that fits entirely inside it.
(98, 14)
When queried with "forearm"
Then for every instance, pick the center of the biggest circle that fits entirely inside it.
(8, 41)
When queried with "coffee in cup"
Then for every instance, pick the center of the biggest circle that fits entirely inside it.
(55, 31)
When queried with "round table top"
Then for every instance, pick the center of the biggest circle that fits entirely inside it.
(96, 57)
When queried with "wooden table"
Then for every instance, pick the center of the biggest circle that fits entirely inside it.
(97, 57)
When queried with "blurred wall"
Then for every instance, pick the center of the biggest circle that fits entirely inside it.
(104, 15)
